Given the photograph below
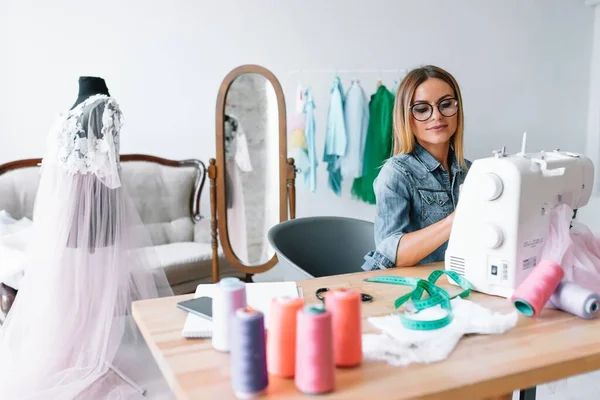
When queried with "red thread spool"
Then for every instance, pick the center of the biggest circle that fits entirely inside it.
(315, 366)
(344, 306)
(281, 340)
(534, 292)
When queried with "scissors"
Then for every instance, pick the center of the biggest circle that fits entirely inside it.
(364, 297)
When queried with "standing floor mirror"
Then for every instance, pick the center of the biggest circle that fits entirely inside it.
(252, 182)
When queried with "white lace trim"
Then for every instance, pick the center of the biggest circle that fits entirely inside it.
(98, 153)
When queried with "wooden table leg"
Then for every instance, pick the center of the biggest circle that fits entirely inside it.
(527, 394)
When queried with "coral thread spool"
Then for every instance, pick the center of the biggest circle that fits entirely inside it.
(344, 306)
(534, 292)
(281, 340)
(249, 377)
(315, 365)
(229, 297)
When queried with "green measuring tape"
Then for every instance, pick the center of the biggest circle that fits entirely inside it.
(437, 296)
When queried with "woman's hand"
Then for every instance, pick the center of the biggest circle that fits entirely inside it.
(450, 218)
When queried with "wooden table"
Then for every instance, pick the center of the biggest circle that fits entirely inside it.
(556, 345)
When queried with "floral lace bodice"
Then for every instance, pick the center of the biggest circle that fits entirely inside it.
(86, 140)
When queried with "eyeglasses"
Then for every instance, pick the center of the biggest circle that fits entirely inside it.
(423, 111)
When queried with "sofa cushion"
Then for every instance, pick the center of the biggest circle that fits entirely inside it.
(18, 189)
(162, 195)
(185, 261)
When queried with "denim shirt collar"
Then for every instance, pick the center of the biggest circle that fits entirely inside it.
(430, 162)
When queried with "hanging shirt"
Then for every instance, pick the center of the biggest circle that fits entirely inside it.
(297, 147)
(236, 149)
(378, 147)
(310, 174)
(335, 137)
(356, 118)
(236, 145)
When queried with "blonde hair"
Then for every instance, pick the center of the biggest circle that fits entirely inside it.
(404, 138)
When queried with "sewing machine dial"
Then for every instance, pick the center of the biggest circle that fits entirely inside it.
(490, 186)
(491, 236)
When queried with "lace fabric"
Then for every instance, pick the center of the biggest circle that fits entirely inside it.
(86, 140)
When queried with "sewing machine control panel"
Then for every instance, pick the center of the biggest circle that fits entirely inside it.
(497, 271)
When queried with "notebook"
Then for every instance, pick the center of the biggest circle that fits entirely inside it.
(258, 296)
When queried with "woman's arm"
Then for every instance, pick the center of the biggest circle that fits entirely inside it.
(393, 236)
(417, 245)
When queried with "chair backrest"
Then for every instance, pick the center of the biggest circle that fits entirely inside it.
(323, 246)
(165, 192)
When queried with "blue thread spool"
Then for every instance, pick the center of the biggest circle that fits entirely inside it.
(249, 376)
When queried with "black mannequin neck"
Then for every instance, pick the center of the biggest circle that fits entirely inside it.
(90, 86)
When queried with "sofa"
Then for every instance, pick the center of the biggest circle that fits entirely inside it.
(167, 195)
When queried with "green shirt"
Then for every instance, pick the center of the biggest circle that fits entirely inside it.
(378, 147)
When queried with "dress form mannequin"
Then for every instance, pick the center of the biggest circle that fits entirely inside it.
(89, 257)
(91, 86)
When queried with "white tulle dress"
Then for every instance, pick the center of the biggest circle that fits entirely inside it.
(88, 258)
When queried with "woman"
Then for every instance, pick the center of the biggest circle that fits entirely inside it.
(417, 189)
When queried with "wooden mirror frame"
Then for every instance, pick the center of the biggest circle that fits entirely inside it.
(216, 174)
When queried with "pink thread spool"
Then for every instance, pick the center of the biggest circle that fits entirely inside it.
(315, 366)
(344, 306)
(534, 292)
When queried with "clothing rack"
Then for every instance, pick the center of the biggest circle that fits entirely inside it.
(335, 71)
(345, 71)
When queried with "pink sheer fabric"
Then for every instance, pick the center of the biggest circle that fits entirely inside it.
(89, 257)
(575, 248)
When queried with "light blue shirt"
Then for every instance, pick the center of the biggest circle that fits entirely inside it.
(310, 173)
(335, 137)
(356, 118)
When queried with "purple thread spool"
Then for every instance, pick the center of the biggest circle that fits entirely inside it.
(249, 377)
(229, 297)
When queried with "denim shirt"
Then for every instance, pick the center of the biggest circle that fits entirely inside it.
(413, 191)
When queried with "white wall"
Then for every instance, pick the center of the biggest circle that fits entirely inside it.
(589, 214)
(523, 65)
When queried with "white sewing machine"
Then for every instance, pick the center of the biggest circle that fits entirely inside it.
(501, 218)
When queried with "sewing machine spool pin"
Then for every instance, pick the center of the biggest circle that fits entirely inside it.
(500, 153)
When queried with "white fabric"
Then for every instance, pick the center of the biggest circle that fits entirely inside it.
(400, 346)
(236, 214)
(88, 258)
(236, 145)
(14, 236)
(242, 156)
